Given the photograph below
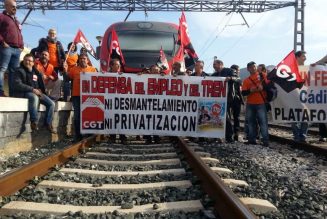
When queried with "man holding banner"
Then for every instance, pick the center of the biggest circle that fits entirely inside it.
(322, 126)
(229, 76)
(300, 129)
(75, 74)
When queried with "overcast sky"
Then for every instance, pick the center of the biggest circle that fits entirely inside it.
(268, 40)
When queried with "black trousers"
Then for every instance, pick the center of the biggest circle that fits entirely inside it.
(323, 130)
(229, 127)
(236, 116)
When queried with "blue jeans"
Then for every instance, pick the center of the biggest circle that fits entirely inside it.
(33, 105)
(77, 117)
(254, 113)
(9, 59)
(300, 130)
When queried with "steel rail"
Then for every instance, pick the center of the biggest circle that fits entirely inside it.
(12, 181)
(305, 146)
(318, 150)
(227, 204)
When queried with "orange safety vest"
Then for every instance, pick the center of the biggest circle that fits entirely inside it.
(52, 47)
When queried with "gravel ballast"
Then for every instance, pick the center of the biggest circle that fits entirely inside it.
(293, 180)
(26, 157)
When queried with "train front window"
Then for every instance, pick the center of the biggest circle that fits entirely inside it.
(139, 41)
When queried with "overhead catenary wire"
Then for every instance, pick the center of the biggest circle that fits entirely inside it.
(236, 42)
(213, 33)
(213, 40)
(241, 37)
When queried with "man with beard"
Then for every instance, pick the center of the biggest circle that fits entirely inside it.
(50, 77)
(28, 83)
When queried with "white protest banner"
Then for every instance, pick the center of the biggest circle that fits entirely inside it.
(308, 104)
(153, 105)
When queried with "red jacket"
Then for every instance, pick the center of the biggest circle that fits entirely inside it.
(10, 31)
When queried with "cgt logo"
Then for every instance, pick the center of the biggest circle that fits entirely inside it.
(92, 112)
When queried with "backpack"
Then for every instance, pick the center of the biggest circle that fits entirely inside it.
(270, 89)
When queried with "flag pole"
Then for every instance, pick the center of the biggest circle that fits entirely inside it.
(70, 49)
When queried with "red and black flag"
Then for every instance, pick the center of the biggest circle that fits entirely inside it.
(80, 38)
(185, 42)
(286, 74)
(115, 50)
(162, 61)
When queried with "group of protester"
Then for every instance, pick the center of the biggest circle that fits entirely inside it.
(36, 79)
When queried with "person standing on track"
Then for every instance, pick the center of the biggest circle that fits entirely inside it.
(322, 126)
(255, 104)
(300, 129)
(74, 74)
(237, 102)
(115, 68)
(231, 78)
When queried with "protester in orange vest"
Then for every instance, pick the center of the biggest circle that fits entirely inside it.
(71, 60)
(253, 88)
(71, 55)
(84, 51)
(75, 74)
(50, 77)
(55, 49)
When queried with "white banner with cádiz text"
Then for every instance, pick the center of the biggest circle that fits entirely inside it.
(305, 104)
(153, 105)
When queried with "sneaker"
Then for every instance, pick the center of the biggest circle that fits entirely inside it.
(34, 126)
(229, 140)
(323, 139)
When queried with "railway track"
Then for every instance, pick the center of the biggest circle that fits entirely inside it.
(128, 181)
(283, 134)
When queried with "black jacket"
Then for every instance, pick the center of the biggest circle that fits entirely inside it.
(203, 74)
(233, 93)
(43, 46)
(23, 81)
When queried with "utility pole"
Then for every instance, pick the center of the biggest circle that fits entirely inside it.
(299, 25)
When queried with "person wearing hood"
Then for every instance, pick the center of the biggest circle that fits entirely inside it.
(28, 83)
(55, 49)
